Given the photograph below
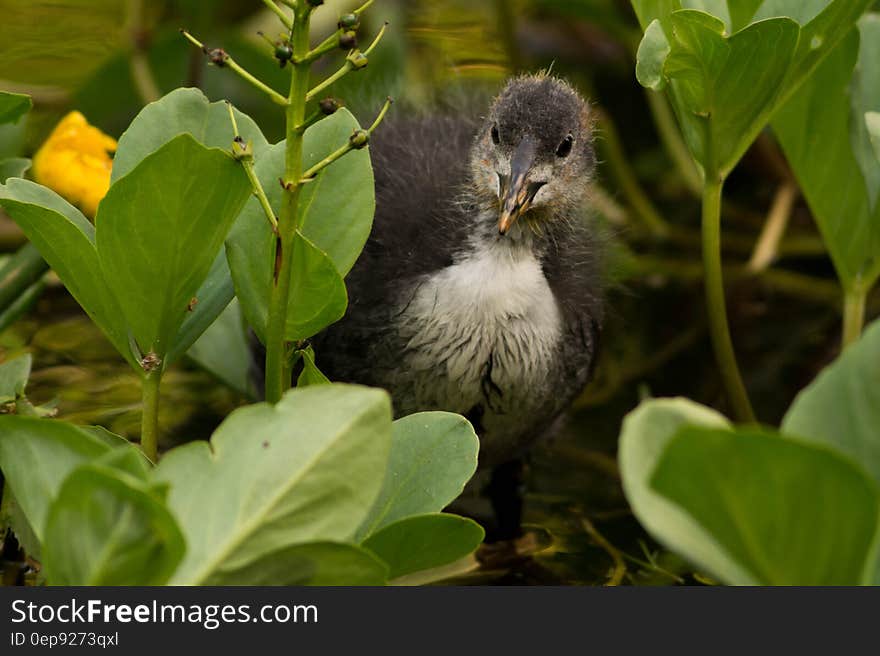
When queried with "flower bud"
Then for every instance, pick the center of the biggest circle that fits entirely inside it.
(328, 106)
(359, 139)
(242, 150)
(348, 22)
(217, 56)
(358, 60)
(283, 53)
(348, 41)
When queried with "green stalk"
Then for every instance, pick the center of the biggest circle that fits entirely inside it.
(718, 326)
(853, 312)
(295, 115)
(150, 414)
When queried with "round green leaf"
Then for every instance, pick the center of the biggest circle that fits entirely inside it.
(651, 57)
(13, 106)
(312, 563)
(183, 111)
(336, 209)
(317, 292)
(826, 166)
(124, 534)
(841, 408)
(646, 432)
(66, 240)
(424, 542)
(36, 455)
(13, 167)
(189, 111)
(307, 469)
(159, 230)
(787, 512)
(433, 456)
(14, 376)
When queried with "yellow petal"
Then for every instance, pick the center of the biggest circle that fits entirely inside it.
(75, 162)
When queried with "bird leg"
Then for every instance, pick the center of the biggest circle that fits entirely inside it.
(505, 492)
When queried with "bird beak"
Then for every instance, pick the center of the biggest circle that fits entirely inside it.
(516, 193)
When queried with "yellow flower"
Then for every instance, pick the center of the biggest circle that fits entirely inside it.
(75, 162)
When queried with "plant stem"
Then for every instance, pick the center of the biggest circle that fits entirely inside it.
(767, 248)
(715, 301)
(224, 60)
(853, 312)
(141, 73)
(346, 68)
(150, 416)
(243, 154)
(276, 382)
(278, 11)
(347, 148)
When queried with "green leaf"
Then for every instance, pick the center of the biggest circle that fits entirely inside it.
(310, 374)
(183, 111)
(317, 292)
(36, 455)
(725, 87)
(646, 432)
(716, 8)
(742, 12)
(865, 98)
(189, 111)
(336, 209)
(307, 469)
(129, 461)
(651, 57)
(159, 231)
(123, 533)
(433, 456)
(22, 528)
(425, 541)
(212, 298)
(841, 408)
(334, 229)
(13, 167)
(66, 240)
(14, 376)
(814, 130)
(223, 350)
(648, 11)
(803, 11)
(787, 512)
(13, 106)
(872, 122)
(312, 563)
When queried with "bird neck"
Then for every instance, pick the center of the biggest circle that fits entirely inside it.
(523, 239)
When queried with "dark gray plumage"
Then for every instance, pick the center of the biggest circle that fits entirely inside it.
(479, 290)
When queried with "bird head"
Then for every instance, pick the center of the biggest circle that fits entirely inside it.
(534, 155)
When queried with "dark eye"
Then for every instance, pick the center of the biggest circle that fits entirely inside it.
(496, 138)
(565, 147)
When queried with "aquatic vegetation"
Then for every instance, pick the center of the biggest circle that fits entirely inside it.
(313, 486)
